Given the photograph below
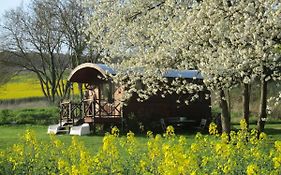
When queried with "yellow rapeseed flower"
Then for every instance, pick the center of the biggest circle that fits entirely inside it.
(149, 134)
(243, 124)
(225, 137)
(143, 165)
(252, 169)
(263, 136)
(74, 170)
(253, 138)
(115, 131)
(213, 129)
(29, 137)
(182, 140)
(63, 166)
(198, 136)
(193, 173)
(205, 160)
(130, 135)
(218, 148)
(277, 145)
(256, 152)
(228, 167)
(18, 149)
(170, 131)
(277, 162)
(194, 147)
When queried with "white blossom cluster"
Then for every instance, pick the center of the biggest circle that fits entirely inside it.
(229, 42)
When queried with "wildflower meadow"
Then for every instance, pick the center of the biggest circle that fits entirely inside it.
(240, 152)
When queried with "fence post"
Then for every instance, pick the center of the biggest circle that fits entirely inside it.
(61, 112)
(83, 109)
(69, 111)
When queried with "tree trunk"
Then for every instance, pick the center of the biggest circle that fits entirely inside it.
(225, 118)
(72, 92)
(246, 103)
(66, 92)
(80, 87)
(263, 103)
(54, 78)
(228, 102)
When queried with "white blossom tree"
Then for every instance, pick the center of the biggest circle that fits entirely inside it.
(137, 34)
(237, 44)
(229, 41)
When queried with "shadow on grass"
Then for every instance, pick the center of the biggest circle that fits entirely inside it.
(272, 131)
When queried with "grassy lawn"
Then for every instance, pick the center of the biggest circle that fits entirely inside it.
(130, 155)
(273, 130)
(12, 134)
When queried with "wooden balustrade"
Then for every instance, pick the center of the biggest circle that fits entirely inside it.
(71, 112)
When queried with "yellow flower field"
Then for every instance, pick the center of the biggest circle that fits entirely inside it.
(239, 153)
(23, 89)
(23, 86)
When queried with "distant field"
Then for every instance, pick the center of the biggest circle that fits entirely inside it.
(22, 86)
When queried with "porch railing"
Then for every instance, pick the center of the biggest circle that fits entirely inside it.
(73, 111)
(101, 108)
(70, 112)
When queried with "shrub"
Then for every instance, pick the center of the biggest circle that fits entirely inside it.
(5, 116)
(29, 116)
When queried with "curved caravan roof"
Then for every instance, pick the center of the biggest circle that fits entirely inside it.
(89, 73)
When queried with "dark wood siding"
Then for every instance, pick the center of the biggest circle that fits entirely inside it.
(157, 107)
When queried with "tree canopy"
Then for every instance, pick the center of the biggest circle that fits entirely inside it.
(230, 42)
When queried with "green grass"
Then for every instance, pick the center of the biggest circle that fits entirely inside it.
(273, 130)
(11, 134)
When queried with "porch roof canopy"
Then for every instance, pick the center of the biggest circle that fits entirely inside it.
(97, 73)
(90, 73)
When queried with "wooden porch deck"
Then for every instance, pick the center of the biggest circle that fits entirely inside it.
(90, 111)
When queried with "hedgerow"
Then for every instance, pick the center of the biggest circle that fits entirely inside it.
(29, 116)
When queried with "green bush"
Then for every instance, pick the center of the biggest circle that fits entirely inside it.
(29, 116)
(5, 116)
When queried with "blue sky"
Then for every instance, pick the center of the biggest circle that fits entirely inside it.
(8, 4)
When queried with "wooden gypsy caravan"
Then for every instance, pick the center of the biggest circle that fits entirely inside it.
(102, 103)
